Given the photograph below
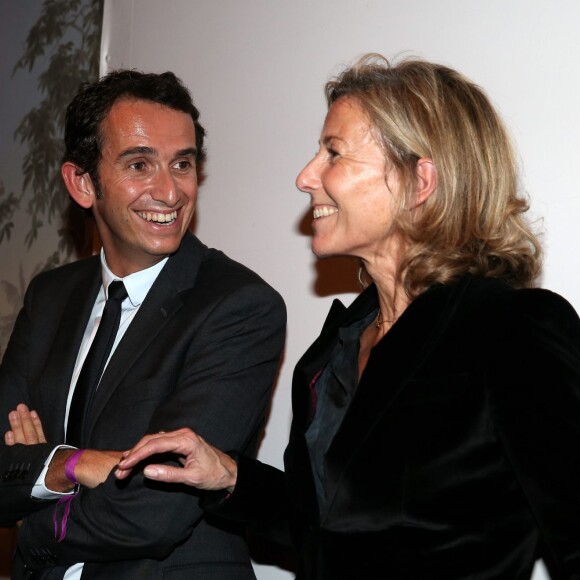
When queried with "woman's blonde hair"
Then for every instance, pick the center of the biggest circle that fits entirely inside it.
(473, 221)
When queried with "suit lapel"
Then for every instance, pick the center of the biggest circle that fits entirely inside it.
(160, 305)
(308, 368)
(56, 378)
(315, 358)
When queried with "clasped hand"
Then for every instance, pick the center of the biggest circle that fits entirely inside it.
(25, 427)
(204, 466)
(92, 468)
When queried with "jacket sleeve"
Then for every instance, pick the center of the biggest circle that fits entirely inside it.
(20, 465)
(259, 500)
(536, 398)
(221, 388)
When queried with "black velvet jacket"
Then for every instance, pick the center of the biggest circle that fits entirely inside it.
(459, 457)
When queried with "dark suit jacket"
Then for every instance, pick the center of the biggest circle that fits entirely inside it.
(201, 352)
(459, 456)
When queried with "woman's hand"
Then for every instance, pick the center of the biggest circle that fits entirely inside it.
(204, 466)
(25, 427)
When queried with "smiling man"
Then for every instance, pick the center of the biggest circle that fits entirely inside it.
(196, 343)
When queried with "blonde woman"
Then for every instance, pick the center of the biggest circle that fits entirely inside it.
(436, 420)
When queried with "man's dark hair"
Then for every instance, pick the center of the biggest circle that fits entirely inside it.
(84, 116)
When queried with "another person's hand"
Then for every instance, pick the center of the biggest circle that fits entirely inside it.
(204, 466)
(25, 427)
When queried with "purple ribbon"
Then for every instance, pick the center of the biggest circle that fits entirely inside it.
(64, 501)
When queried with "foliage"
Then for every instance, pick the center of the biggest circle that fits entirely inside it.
(66, 38)
(68, 32)
(13, 296)
(8, 205)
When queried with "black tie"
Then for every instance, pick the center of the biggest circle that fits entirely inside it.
(94, 364)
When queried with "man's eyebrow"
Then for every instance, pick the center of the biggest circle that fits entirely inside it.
(189, 152)
(142, 150)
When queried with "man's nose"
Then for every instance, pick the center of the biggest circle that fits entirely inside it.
(165, 188)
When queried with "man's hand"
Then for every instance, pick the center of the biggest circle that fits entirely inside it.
(204, 466)
(25, 427)
(92, 468)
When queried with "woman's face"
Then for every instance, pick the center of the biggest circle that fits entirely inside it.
(353, 197)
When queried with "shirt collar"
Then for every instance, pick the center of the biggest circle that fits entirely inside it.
(137, 284)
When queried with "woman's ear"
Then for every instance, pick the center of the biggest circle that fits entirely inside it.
(80, 185)
(426, 179)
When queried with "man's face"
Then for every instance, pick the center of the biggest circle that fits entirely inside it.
(148, 184)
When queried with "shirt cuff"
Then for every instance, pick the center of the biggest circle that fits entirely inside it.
(40, 491)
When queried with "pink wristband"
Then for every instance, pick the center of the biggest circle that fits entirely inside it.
(70, 464)
(69, 472)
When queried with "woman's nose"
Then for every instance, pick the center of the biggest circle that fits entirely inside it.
(309, 178)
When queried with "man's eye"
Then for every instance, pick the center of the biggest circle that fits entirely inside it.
(332, 154)
(137, 165)
(183, 165)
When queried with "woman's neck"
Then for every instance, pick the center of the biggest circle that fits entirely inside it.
(393, 300)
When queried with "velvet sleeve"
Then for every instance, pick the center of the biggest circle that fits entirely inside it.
(536, 404)
(259, 500)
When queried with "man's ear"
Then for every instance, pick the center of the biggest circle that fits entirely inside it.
(426, 180)
(80, 185)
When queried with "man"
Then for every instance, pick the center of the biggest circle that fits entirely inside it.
(198, 344)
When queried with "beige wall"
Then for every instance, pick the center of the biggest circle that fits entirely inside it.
(256, 69)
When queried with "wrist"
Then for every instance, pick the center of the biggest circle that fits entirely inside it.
(55, 479)
(231, 468)
(70, 465)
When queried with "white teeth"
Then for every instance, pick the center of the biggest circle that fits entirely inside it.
(161, 218)
(323, 211)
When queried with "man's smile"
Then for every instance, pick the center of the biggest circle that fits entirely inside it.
(161, 218)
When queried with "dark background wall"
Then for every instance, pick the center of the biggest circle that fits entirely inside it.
(47, 47)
